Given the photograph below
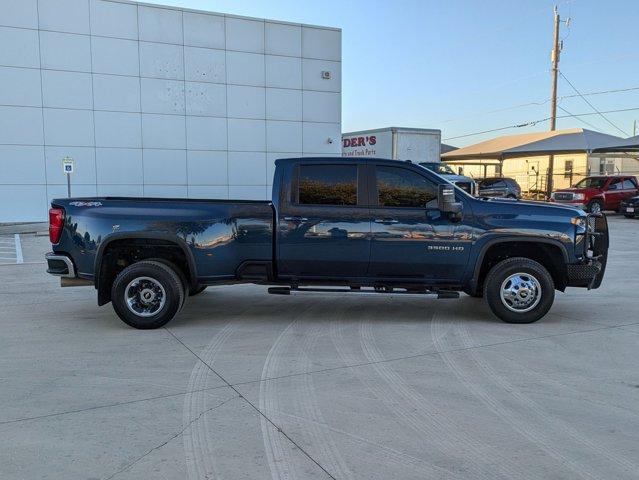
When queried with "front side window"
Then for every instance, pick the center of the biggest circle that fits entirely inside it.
(591, 182)
(399, 187)
(328, 185)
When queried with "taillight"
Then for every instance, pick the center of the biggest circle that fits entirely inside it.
(56, 222)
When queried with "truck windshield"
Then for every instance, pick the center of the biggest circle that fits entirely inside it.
(591, 183)
(438, 167)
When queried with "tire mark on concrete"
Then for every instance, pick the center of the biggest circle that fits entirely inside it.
(197, 444)
(526, 429)
(309, 405)
(278, 453)
(559, 426)
(394, 403)
(427, 418)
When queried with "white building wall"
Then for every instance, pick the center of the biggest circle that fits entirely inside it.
(156, 101)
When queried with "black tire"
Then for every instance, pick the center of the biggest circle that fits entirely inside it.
(197, 290)
(532, 273)
(596, 204)
(629, 215)
(178, 271)
(162, 280)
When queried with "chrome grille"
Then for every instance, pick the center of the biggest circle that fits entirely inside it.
(563, 196)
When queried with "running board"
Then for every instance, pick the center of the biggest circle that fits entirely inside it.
(362, 291)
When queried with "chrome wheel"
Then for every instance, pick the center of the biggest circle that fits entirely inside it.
(595, 207)
(520, 292)
(144, 296)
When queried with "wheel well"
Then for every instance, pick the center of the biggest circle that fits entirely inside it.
(550, 256)
(121, 253)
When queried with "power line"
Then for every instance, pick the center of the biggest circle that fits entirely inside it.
(577, 118)
(535, 122)
(601, 92)
(591, 105)
(540, 103)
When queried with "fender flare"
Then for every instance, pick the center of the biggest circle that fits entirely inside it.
(511, 239)
(190, 259)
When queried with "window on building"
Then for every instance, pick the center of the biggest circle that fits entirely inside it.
(568, 165)
(399, 187)
(328, 185)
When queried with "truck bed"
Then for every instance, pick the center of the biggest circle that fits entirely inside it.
(218, 236)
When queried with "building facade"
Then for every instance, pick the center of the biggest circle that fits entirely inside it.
(157, 101)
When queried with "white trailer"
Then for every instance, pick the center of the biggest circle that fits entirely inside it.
(394, 143)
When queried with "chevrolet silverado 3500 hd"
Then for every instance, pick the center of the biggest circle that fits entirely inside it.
(359, 225)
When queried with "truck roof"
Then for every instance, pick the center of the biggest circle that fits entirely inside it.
(342, 160)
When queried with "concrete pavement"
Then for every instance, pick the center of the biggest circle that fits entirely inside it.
(249, 385)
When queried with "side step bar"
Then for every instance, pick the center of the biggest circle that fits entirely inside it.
(361, 291)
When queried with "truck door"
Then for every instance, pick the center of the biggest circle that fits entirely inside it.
(614, 194)
(411, 239)
(324, 225)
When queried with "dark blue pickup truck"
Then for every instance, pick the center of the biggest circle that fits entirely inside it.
(334, 225)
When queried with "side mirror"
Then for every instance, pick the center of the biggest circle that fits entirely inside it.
(446, 201)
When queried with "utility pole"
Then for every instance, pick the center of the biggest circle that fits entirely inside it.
(554, 58)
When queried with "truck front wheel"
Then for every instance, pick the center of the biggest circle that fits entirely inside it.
(147, 294)
(519, 290)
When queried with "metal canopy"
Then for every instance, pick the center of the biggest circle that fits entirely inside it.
(574, 140)
(624, 145)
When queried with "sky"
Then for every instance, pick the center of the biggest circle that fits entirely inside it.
(466, 66)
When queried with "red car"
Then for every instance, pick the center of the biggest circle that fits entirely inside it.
(595, 194)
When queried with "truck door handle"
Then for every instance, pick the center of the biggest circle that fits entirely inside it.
(386, 220)
(295, 218)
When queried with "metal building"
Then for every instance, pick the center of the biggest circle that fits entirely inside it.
(157, 101)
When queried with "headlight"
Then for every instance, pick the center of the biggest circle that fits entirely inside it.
(579, 222)
(579, 196)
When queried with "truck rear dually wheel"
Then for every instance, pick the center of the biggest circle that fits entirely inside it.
(519, 290)
(147, 294)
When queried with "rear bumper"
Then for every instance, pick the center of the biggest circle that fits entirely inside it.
(590, 271)
(60, 265)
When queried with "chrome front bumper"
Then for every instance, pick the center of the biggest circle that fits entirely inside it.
(60, 265)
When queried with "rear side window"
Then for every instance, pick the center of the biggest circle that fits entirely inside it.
(615, 184)
(399, 187)
(628, 184)
(327, 185)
